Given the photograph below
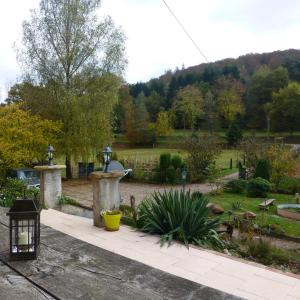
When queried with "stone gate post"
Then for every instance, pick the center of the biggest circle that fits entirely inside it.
(50, 184)
(106, 193)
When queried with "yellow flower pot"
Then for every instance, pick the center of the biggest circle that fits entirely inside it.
(112, 221)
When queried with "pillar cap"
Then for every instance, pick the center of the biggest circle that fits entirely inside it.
(102, 175)
(54, 167)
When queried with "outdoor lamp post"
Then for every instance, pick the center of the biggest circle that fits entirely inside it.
(24, 230)
(50, 152)
(183, 177)
(106, 156)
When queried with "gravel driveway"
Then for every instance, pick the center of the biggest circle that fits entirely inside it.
(81, 190)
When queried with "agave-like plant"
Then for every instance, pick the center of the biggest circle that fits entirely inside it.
(182, 216)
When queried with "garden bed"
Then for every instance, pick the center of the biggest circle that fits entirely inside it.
(288, 227)
(290, 211)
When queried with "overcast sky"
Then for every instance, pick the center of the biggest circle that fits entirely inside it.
(156, 43)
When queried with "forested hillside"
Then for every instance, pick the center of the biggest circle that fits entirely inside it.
(246, 91)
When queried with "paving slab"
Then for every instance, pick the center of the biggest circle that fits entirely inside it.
(70, 268)
(208, 268)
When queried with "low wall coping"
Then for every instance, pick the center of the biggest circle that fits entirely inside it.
(46, 168)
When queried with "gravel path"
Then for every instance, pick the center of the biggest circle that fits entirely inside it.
(81, 190)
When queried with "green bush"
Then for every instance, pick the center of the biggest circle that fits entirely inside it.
(202, 153)
(258, 187)
(169, 168)
(164, 161)
(11, 190)
(234, 135)
(263, 170)
(176, 161)
(181, 216)
(171, 175)
(235, 186)
(289, 185)
(65, 200)
(260, 249)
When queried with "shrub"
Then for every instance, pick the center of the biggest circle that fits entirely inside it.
(164, 161)
(260, 249)
(202, 152)
(237, 205)
(258, 187)
(176, 161)
(11, 190)
(14, 188)
(171, 175)
(253, 150)
(234, 135)
(235, 186)
(289, 185)
(282, 161)
(263, 169)
(169, 167)
(65, 200)
(181, 216)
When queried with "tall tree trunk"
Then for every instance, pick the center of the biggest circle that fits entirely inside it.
(68, 167)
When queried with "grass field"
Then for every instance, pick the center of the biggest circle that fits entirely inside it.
(177, 136)
(222, 162)
(290, 227)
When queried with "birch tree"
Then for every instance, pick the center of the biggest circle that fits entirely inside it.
(67, 49)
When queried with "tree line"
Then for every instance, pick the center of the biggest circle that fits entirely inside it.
(249, 92)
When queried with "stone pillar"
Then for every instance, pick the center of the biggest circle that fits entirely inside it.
(50, 184)
(106, 193)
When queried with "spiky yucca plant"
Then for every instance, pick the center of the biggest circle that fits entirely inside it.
(180, 216)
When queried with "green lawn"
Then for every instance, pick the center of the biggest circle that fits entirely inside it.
(222, 162)
(291, 227)
(177, 136)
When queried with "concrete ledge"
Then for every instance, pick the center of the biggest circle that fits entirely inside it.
(54, 167)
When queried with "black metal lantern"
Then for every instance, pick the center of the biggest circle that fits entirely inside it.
(50, 152)
(24, 230)
(106, 156)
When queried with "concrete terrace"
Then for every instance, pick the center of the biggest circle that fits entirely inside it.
(69, 268)
(208, 268)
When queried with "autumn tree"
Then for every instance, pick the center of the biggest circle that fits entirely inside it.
(282, 161)
(230, 92)
(163, 126)
(38, 99)
(137, 129)
(125, 100)
(189, 102)
(24, 137)
(66, 49)
(210, 109)
(285, 108)
(154, 104)
(262, 85)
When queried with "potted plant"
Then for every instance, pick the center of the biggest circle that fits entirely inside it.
(112, 219)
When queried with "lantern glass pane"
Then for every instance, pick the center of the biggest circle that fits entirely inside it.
(23, 236)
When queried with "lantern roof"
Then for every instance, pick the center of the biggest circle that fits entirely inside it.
(22, 206)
